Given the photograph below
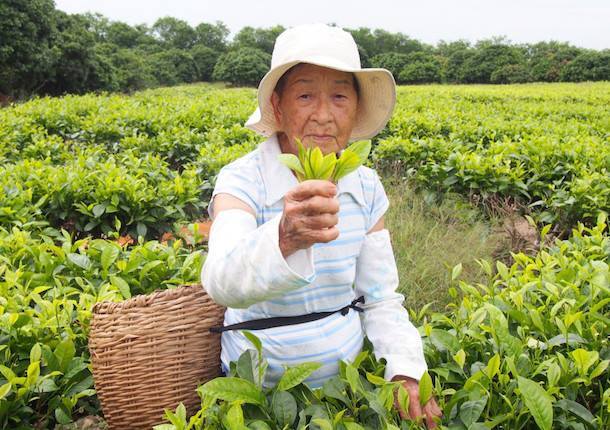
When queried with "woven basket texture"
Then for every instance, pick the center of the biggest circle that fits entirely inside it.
(151, 352)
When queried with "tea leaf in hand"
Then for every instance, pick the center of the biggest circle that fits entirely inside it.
(425, 388)
(292, 162)
(362, 149)
(347, 163)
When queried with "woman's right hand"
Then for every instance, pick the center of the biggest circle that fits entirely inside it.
(310, 216)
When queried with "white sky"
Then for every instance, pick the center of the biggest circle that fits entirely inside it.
(584, 23)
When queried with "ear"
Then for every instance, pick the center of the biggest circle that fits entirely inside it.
(277, 112)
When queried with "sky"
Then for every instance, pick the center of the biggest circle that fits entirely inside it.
(584, 23)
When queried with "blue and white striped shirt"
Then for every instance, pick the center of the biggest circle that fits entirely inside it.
(261, 181)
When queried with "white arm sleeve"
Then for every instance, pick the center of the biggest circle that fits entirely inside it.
(385, 320)
(244, 264)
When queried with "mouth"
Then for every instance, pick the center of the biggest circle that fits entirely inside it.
(321, 138)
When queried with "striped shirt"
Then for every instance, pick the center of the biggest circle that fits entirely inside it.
(261, 181)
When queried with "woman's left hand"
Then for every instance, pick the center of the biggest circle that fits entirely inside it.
(430, 410)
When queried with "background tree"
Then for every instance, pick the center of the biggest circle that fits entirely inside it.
(588, 66)
(174, 33)
(205, 59)
(26, 32)
(244, 66)
(76, 66)
(546, 60)
(173, 66)
(46, 51)
(213, 36)
(421, 68)
(489, 56)
(392, 61)
(259, 38)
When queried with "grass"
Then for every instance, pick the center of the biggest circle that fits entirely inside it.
(430, 239)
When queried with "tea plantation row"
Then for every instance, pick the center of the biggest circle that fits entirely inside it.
(77, 174)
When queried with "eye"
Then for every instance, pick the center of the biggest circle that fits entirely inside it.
(341, 96)
(304, 96)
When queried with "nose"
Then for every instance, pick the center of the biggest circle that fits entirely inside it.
(322, 111)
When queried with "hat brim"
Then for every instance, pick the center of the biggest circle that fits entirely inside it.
(375, 105)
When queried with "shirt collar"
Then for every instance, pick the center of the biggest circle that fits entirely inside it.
(279, 179)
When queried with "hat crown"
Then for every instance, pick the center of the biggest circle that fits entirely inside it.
(307, 43)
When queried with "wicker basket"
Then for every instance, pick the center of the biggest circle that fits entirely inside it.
(151, 352)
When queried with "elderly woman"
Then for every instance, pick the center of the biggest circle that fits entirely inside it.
(281, 248)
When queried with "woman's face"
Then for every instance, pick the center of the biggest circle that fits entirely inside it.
(318, 106)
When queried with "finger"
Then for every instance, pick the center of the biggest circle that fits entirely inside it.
(429, 417)
(313, 187)
(325, 235)
(415, 410)
(321, 221)
(319, 205)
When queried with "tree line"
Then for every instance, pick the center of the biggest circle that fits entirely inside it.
(46, 51)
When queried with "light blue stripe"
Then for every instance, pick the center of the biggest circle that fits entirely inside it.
(335, 260)
(338, 242)
(317, 288)
(323, 354)
(307, 297)
(334, 270)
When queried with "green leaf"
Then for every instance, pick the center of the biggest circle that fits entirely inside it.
(293, 376)
(121, 285)
(233, 389)
(259, 425)
(403, 398)
(352, 426)
(246, 365)
(292, 162)
(362, 149)
(284, 408)
(576, 409)
(323, 423)
(109, 255)
(599, 369)
(425, 388)
(315, 162)
(376, 380)
(353, 378)
(584, 359)
(141, 229)
(4, 390)
(456, 272)
(33, 373)
(254, 341)
(62, 416)
(64, 353)
(538, 401)
(444, 341)
(328, 166)
(80, 260)
(493, 366)
(98, 210)
(347, 163)
(460, 358)
(471, 410)
(234, 419)
(553, 374)
(335, 389)
(35, 352)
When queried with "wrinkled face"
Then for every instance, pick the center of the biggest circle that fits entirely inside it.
(317, 105)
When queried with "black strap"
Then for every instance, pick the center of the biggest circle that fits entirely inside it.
(263, 323)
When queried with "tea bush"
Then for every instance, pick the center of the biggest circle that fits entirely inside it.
(530, 349)
(48, 286)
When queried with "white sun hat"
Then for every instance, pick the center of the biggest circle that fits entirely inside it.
(331, 47)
